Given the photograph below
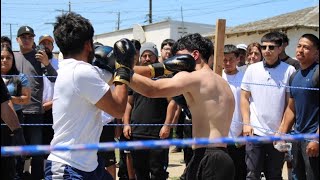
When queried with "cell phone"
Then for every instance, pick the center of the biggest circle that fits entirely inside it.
(39, 48)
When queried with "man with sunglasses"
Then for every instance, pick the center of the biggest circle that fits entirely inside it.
(262, 107)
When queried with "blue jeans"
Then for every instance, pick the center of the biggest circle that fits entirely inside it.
(263, 158)
(304, 167)
(56, 170)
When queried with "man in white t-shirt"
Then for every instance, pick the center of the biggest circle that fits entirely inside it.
(234, 77)
(81, 91)
(262, 106)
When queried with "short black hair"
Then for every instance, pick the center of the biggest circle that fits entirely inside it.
(284, 37)
(136, 44)
(272, 37)
(6, 39)
(167, 41)
(193, 42)
(230, 48)
(314, 39)
(71, 31)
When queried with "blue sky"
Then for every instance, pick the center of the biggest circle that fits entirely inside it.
(103, 14)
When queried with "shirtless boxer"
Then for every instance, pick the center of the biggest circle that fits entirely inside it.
(210, 101)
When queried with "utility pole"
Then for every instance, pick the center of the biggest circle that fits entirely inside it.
(150, 11)
(10, 24)
(182, 22)
(69, 6)
(118, 22)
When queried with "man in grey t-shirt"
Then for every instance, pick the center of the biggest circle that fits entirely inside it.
(34, 64)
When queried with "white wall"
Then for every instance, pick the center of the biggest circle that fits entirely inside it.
(109, 39)
(155, 33)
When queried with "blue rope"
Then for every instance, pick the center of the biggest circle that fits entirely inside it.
(113, 124)
(150, 144)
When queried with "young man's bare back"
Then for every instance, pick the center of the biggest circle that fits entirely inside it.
(210, 101)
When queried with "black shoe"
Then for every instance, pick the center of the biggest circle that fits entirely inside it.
(26, 176)
(176, 150)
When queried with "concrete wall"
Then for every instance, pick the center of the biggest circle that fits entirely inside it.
(156, 33)
(293, 35)
(109, 39)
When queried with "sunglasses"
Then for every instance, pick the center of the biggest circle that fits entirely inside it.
(270, 47)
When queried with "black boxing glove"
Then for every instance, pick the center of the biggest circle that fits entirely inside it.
(181, 101)
(105, 58)
(124, 52)
(18, 137)
(174, 64)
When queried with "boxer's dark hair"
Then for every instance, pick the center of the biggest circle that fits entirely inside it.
(193, 42)
(71, 31)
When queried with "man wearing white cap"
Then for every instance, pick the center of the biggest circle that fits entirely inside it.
(47, 42)
(242, 48)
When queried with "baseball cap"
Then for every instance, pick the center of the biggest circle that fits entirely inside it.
(149, 46)
(25, 30)
(242, 46)
(46, 37)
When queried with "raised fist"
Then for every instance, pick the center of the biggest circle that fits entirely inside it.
(124, 52)
(105, 58)
(174, 64)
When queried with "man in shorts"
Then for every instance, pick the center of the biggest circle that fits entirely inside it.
(208, 96)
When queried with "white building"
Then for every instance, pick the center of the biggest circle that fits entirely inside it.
(294, 24)
(156, 32)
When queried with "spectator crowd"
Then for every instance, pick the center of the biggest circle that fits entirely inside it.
(31, 74)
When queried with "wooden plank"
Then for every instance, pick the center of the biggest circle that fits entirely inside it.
(219, 46)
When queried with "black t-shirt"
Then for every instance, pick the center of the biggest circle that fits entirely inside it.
(5, 96)
(147, 111)
(292, 62)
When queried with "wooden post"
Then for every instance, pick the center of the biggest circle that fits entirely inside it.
(219, 46)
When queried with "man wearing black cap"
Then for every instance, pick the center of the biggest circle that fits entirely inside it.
(33, 64)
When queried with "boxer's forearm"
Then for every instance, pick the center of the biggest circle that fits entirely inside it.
(9, 116)
(245, 110)
(143, 71)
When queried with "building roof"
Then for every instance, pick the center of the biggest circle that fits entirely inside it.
(308, 17)
(165, 22)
